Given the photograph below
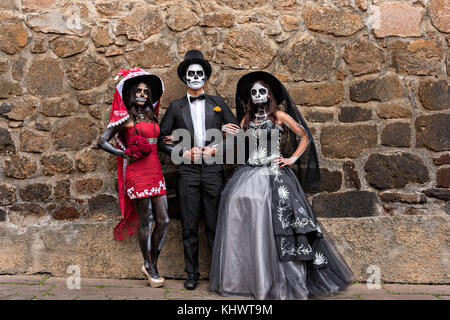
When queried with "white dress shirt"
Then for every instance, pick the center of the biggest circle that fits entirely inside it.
(198, 119)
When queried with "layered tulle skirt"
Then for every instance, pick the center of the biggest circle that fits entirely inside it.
(246, 255)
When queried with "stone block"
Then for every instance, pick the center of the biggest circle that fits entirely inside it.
(432, 132)
(346, 204)
(354, 114)
(19, 167)
(384, 171)
(347, 141)
(396, 135)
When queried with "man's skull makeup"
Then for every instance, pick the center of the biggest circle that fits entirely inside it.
(142, 94)
(259, 94)
(195, 76)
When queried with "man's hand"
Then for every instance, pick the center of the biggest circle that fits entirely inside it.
(208, 152)
(193, 154)
(231, 128)
(168, 140)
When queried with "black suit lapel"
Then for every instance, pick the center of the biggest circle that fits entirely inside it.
(186, 114)
(209, 112)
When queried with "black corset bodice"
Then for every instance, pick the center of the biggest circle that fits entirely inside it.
(264, 142)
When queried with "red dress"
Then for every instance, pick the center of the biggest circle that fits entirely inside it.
(143, 177)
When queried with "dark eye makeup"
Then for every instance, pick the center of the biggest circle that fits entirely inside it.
(192, 73)
(140, 90)
(261, 91)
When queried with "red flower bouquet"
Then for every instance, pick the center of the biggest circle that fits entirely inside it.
(138, 147)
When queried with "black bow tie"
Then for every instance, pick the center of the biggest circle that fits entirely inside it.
(200, 97)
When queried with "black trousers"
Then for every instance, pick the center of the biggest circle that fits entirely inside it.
(198, 191)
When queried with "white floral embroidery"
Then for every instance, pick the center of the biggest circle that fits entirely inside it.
(319, 258)
(275, 168)
(297, 223)
(258, 156)
(286, 221)
(130, 193)
(146, 193)
(294, 251)
(283, 192)
(315, 226)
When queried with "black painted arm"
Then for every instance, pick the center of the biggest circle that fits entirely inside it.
(103, 142)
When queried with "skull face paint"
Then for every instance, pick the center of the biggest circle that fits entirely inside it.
(259, 94)
(195, 76)
(142, 94)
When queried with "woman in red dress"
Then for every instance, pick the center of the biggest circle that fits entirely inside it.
(142, 189)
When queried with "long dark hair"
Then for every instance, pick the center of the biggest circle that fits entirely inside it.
(129, 99)
(270, 107)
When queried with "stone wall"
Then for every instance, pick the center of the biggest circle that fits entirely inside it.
(371, 79)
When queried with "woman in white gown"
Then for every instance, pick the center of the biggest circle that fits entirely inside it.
(268, 243)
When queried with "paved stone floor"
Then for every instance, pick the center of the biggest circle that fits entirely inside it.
(51, 288)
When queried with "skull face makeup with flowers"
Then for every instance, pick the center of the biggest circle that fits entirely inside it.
(195, 76)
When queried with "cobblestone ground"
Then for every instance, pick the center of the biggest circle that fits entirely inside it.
(51, 288)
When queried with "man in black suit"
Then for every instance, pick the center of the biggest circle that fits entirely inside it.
(198, 180)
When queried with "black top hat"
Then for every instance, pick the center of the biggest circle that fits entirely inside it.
(243, 85)
(154, 82)
(193, 57)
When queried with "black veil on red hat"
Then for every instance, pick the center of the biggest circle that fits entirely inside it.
(193, 57)
(308, 172)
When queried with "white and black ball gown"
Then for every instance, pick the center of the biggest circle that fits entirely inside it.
(268, 243)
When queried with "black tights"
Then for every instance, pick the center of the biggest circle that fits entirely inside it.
(149, 210)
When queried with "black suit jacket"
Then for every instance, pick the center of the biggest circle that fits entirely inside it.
(178, 116)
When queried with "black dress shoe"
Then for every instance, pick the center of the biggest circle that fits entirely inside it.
(191, 281)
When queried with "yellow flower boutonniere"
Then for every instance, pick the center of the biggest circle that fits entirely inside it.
(217, 109)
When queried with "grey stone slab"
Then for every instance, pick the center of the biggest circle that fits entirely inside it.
(339, 297)
(24, 279)
(25, 292)
(101, 282)
(361, 288)
(398, 297)
(413, 289)
(135, 293)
